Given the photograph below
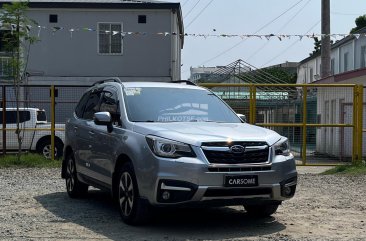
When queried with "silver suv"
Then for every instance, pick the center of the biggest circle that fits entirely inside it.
(173, 144)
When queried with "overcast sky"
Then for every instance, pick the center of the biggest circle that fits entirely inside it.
(249, 16)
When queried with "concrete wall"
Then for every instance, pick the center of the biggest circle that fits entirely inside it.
(59, 54)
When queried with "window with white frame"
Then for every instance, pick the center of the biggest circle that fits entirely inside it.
(110, 38)
(363, 56)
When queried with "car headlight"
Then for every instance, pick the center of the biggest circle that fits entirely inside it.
(282, 147)
(168, 148)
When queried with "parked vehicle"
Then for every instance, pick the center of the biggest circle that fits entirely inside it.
(173, 144)
(32, 140)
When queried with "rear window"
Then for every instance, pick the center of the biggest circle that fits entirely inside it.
(41, 115)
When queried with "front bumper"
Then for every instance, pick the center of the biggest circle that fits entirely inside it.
(191, 181)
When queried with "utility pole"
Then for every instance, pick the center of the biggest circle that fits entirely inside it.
(325, 47)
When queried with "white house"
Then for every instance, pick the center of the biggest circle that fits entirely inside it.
(334, 105)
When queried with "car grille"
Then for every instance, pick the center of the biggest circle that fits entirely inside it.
(256, 152)
(239, 169)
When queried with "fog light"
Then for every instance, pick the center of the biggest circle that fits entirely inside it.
(287, 190)
(166, 195)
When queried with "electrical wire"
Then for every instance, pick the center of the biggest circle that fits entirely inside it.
(203, 9)
(261, 28)
(185, 3)
(293, 44)
(282, 28)
(347, 14)
(191, 9)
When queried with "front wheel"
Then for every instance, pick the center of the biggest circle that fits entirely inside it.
(74, 187)
(132, 208)
(44, 148)
(261, 211)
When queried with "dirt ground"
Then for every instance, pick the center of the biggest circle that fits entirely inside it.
(35, 206)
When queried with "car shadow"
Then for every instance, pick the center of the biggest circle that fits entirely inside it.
(99, 214)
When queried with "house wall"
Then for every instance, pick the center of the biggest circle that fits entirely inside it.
(59, 54)
(304, 71)
(358, 44)
(346, 49)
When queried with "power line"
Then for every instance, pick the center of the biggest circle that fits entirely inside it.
(264, 26)
(293, 44)
(191, 9)
(283, 27)
(204, 8)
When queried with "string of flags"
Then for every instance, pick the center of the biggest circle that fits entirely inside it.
(54, 30)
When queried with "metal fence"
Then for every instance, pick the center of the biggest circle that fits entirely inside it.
(324, 123)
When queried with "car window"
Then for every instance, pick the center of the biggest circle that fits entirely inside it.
(152, 104)
(109, 103)
(92, 106)
(11, 117)
(81, 105)
(41, 115)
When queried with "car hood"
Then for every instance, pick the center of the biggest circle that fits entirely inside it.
(197, 132)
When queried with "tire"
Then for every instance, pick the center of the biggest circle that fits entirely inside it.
(261, 211)
(133, 209)
(75, 188)
(44, 148)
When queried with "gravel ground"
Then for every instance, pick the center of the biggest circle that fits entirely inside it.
(35, 206)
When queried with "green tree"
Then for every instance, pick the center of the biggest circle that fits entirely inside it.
(16, 38)
(360, 23)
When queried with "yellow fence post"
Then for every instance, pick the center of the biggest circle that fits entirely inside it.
(359, 122)
(355, 124)
(304, 120)
(53, 122)
(251, 99)
(254, 105)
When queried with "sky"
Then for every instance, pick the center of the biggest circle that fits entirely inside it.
(247, 17)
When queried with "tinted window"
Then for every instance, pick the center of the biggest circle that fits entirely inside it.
(11, 117)
(109, 103)
(92, 105)
(81, 105)
(176, 105)
(41, 115)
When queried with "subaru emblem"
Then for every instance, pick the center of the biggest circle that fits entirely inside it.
(237, 149)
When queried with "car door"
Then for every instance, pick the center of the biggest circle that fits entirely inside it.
(85, 134)
(24, 123)
(104, 142)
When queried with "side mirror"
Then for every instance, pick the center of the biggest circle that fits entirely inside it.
(103, 119)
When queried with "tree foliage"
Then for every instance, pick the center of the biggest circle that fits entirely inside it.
(360, 23)
(15, 29)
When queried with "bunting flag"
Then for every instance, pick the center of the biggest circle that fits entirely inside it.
(280, 37)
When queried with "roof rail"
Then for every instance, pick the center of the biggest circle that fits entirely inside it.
(112, 79)
(187, 82)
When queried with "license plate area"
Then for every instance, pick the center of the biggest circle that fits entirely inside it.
(241, 181)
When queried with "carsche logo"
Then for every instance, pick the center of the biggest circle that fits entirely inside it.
(237, 149)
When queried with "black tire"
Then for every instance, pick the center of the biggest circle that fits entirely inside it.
(44, 148)
(261, 211)
(133, 209)
(75, 188)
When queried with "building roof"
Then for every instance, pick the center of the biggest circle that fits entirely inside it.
(335, 45)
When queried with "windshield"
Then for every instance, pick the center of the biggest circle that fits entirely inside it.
(151, 104)
(41, 115)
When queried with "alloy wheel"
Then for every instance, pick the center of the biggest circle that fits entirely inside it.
(47, 151)
(70, 176)
(126, 194)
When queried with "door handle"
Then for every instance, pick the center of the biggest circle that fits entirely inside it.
(75, 128)
(91, 133)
